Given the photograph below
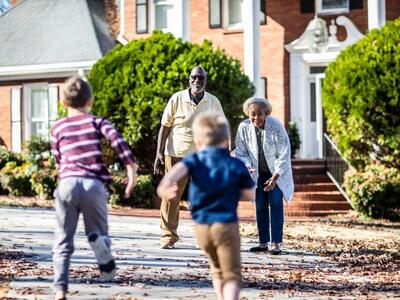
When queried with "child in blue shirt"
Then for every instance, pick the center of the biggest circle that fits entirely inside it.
(218, 182)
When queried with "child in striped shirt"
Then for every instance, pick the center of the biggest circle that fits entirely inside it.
(76, 145)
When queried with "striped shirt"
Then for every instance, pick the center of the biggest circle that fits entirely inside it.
(76, 145)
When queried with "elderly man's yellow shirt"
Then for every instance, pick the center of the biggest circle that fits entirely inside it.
(179, 114)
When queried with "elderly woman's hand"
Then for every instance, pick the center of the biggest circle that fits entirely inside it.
(271, 183)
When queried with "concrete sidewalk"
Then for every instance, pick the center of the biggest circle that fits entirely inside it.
(145, 271)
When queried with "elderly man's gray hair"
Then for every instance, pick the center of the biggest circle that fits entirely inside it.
(259, 101)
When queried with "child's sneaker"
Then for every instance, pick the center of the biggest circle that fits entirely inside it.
(103, 255)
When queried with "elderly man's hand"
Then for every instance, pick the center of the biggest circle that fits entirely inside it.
(159, 159)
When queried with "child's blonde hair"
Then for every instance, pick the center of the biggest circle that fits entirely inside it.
(211, 129)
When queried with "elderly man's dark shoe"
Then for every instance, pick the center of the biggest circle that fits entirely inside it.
(259, 249)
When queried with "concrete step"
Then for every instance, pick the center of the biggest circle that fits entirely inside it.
(305, 178)
(314, 213)
(315, 187)
(318, 196)
(250, 213)
(309, 169)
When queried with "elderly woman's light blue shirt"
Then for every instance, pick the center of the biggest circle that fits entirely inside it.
(276, 148)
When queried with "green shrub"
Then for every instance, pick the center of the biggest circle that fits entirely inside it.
(142, 194)
(5, 157)
(294, 138)
(132, 84)
(15, 179)
(375, 192)
(361, 98)
(42, 167)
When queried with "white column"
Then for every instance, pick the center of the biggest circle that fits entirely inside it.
(251, 40)
(376, 13)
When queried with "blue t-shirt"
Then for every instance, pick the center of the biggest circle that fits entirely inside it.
(216, 181)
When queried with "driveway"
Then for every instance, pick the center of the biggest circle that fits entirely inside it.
(145, 271)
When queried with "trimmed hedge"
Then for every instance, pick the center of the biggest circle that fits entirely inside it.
(375, 192)
(132, 84)
(361, 98)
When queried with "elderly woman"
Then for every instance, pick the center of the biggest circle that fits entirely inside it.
(263, 145)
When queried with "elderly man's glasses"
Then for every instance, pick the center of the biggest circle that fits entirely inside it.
(199, 77)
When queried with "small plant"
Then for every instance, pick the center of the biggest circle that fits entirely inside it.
(142, 194)
(294, 138)
(42, 167)
(15, 179)
(374, 192)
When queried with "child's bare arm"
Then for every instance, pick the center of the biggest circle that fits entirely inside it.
(168, 186)
(131, 172)
(248, 194)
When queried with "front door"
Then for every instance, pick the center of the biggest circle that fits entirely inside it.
(314, 118)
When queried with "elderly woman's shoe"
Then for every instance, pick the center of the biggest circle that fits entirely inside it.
(60, 295)
(275, 250)
(259, 248)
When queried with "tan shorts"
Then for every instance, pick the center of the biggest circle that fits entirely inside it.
(221, 242)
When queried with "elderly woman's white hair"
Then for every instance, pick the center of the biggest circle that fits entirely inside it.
(259, 101)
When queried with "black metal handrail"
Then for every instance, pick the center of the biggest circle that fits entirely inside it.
(336, 165)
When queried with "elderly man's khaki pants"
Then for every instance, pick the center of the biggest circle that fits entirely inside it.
(170, 209)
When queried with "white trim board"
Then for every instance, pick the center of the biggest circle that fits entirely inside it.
(44, 70)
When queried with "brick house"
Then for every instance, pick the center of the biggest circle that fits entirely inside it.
(284, 48)
(43, 43)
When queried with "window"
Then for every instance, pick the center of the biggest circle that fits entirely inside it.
(215, 18)
(232, 13)
(141, 16)
(332, 6)
(163, 14)
(40, 107)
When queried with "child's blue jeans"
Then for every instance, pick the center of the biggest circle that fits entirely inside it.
(269, 213)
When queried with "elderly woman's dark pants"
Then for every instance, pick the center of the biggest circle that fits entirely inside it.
(269, 212)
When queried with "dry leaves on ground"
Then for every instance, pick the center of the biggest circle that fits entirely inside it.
(361, 260)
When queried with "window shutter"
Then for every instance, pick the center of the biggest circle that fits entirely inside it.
(356, 4)
(141, 16)
(263, 12)
(214, 13)
(263, 6)
(307, 6)
(53, 103)
(16, 119)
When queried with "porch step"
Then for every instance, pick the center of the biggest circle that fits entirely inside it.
(297, 162)
(317, 206)
(320, 196)
(312, 187)
(313, 178)
(308, 169)
(315, 195)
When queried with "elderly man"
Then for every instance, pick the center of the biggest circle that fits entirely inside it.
(176, 137)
